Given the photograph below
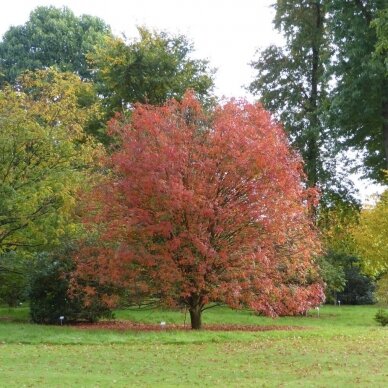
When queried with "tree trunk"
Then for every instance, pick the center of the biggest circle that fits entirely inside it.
(313, 147)
(385, 131)
(313, 162)
(196, 317)
(195, 303)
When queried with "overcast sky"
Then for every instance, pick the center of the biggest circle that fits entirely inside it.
(226, 32)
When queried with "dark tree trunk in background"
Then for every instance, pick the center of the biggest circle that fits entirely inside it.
(313, 146)
(385, 130)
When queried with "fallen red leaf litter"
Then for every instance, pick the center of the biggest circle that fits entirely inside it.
(136, 326)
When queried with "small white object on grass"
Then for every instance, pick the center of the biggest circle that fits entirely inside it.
(61, 318)
(162, 324)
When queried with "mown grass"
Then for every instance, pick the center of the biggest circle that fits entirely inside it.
(343, 347)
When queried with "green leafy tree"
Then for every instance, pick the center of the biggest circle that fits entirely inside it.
(359, 109)
(151, 70)
(333, 275)
(52, 36)
(371, 237)
(13, 278)
(291, 80)
(329, 85)
(335, 222)
(381, 25)
(44, 157)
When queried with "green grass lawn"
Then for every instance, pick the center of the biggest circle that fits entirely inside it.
(344, 347)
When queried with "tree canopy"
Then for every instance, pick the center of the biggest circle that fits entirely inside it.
(371, 237)
(328, 85)
(381, 25)
(291, 84)
(150, 70)
(44, 153)
(359, 107)
(199, 210)
(51, 37)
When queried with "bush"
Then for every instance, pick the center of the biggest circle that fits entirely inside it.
(344, 280)
(382, 317)
(49, 293)
(359, 288)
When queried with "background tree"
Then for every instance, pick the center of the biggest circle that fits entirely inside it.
(335, 222)
(201, 210)
(44, 156)
(328, 85)
(359, 108)
(371, 237)
(333, 274)
(359, 288)
(150, 70)
(381, 25)
(51, 37)
(13, 278)
(371, 244)
(291, 81)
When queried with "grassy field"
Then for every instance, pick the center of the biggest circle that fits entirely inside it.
(344, 347)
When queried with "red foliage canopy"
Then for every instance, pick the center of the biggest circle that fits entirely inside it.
(202, 209)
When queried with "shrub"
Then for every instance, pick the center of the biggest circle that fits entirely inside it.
(359, 287)
(49, 293)
(344, 280)
(382, 317)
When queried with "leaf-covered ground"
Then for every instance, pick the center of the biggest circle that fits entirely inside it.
(136, 326)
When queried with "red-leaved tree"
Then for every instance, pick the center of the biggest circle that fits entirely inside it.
(199, 210)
